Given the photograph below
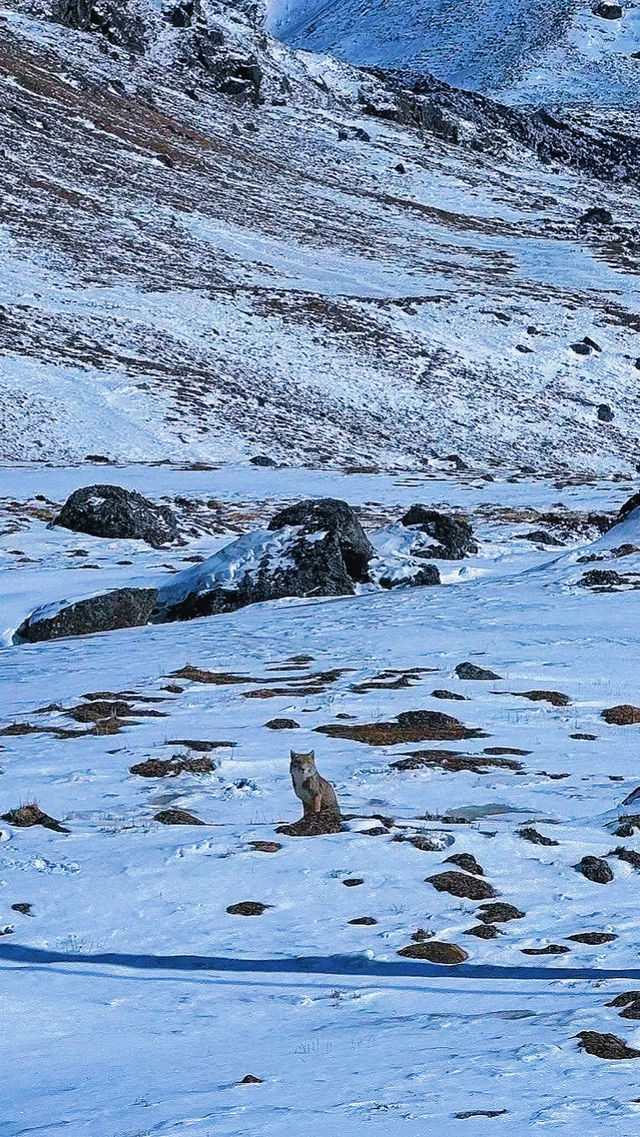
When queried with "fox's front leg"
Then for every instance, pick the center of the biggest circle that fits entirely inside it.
(316, 803)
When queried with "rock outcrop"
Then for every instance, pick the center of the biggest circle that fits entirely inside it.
(123, 608)
(115, 512)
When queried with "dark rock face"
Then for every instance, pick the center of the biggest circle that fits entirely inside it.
(607, 10)
(332, 516)
(124, 608)
(596, 216)
(604, 412)
(595, 869)
(111, 511)
(424, 576)
(629, 506)
(601, 578)
(110, 18)
(453, 535)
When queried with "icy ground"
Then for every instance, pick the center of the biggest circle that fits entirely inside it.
(136, 1003)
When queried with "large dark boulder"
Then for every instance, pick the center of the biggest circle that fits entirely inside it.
(111, 511)
(260, 566)
(124, 608)
(628, 507)
(336, 518)
(453, 536)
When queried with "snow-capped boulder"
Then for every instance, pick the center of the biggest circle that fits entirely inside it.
(123, 608)
(315, 548)
(336, 517)
(111, 511)
(453, 536)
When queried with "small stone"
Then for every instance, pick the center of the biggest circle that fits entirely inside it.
(448, 695)
(531, 834)
(364, 920)
(604, 412)
(499, 913)
(353, 882)
(24, 909)
(593, 938)
(595, 869)
(465, 861)
(282, 724)
(483, 932)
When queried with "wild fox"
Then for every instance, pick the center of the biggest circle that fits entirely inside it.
(315, 792)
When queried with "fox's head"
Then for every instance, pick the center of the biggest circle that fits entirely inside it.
(303, 761)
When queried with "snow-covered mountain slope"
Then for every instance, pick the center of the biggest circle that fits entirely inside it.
(562, 51)
(123, 968)
(187, 275)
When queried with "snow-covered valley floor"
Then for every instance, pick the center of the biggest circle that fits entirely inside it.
(136, 1003)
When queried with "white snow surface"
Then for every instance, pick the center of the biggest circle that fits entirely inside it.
(136, 1003)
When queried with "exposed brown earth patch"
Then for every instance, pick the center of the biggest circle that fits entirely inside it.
(499, 913)
(453, 761)
(248, 908)
(434, 951)
(410, 726)
(605, 1046)
(171, 767)
(593, 938)
(26, 816)
(177, 817)
(459, 884)
(265, 846)
(556, 698)
(623, 715)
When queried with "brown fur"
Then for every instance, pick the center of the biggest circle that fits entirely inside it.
(315, 792)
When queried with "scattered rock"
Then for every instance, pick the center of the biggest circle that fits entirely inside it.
(171, 767)
(421, 577)
(313, 825)
(554, 697)
(364, 920)
(123, 608)
(250, 1080)
(331, 516)
(624, 998)
(25, 816)
(465, 861)
(604, 413)
(596, 215)
(605, 1045)
(629, 855)
(483, 931)
(453, 535)
(262, 460)
(265, 846)
(623, 715)
(453, 761)
(248, 908)
(595, 869)
(467, 1113)
(580, 348)
(434, 951)
(459, 884)
(114, 512)
(550, 949)
(448, 695)
(593, 938)
(24, 909)
(498, 913)
(353, 882)
(540, 537)
(410, 726)
(607, 10)
(177, 817)
(528, 833)
(471, 671)
(282, 724)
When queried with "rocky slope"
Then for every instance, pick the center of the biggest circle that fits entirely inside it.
(214, 246)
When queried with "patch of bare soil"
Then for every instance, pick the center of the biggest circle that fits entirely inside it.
(459, 884)
(285, 692)
(25, 816)
(550, 949)
(440, 694)
(556, 698)
(453, 761)
(434, 951)
(171, 767)
(100, 709)
(265, 846)
(282, 724)
(248, 908)
(499, 913)
(313, 825)
(203, 746)
(484, 932)
(605, 1045)
(177, 817)
(505, 750)
(218, 678)
(410, 726)
(623, 715)
(593, 938)
(528, 833)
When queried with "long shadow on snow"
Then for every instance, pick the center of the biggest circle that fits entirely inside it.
(313, 965)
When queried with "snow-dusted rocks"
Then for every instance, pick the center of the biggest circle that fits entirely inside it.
(123, 608)
(111, 511)
(453, 536)
(314, 548)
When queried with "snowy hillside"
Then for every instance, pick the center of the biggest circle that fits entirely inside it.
(565, 52)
